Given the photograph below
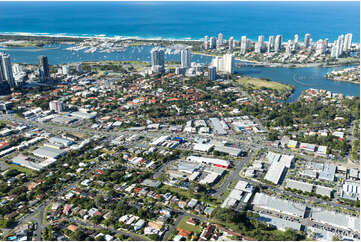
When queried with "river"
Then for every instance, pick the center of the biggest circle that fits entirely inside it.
(301, 78)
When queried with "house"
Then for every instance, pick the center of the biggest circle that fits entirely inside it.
(66, 209)
(72, 228)
(207, 232)
(138, 225)
(192, 221)
(184, 233)
(192, 203)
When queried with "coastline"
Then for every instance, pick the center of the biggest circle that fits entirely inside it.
(44, 38)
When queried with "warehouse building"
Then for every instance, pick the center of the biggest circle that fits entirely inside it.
(298, 185)
(323, 191)
(264, 201)
(209, 161)
(332, 218)
(48, 152)
(276, 173)
(57, 140)
(328, 172)
(280, 224)
(218, 126)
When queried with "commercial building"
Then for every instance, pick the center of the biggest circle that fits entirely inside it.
(43, 68)
(264, 201)
(48, 152)
(328, 172)
(308, 147)
(242, 192)
(276, 173)
(57, 106)
(83, 115)
(218, 127)
(298, 185)
(280, 224)
(220, 40)
(209, 161)
(57, 140)
(202, 147)
(332, 218)
(351, 190)
(323, 191)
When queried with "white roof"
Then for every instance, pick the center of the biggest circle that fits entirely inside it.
(303, 186)
(336, 219)
(275, 172)
(202, 147)
(284, 206)
(208, 160)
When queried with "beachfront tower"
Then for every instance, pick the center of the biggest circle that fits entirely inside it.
(244, 45)
(205, 42)
(307, 40)
(278, 43)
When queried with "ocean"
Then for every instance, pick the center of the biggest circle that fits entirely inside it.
(182, 20)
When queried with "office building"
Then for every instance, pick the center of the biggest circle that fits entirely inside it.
(213, 42)
(43, 68)
(6, 71)
(57, 106)
(307, 40)
(212, 73)
(220, 40)
(278, 43)
(271, 43)
(244, 45)
(186, 57)
(205, 42)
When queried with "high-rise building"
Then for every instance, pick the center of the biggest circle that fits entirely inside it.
(65, 69)
(43, 68)
(213, 42)
(278, 43)
(205, 42)
(271, 43)
(186, 57)
(57, 106)
(295, 42)
(320, 47)
(228, 62)
(231, 43)
(6, 71)
(307, 40)
(289, 47)
(220, 40)
(325, 44)
(244, 45)
(336, 49)
(347, 43)
(157, 57)
(259, 44)
(79, 68)
(212, 73)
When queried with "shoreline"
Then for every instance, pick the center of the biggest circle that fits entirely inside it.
(66, 39)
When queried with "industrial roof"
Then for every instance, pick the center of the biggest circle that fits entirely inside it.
(275, 172)
(303, 186)
(281, 224)
(284, 206)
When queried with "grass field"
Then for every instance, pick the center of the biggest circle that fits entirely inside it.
(259, 83)
(25, 170)
(183, 224)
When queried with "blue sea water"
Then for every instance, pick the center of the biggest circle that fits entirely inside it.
(182, 20)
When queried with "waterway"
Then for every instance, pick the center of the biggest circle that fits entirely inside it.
(301, 78)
